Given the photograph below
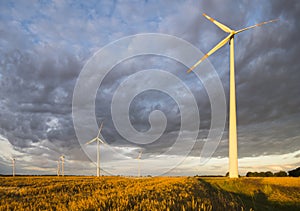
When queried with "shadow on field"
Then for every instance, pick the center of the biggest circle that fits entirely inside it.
(238, 201)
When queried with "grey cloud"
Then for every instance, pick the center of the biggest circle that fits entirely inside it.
(44, 47)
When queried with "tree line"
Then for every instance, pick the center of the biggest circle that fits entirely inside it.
(292, 173)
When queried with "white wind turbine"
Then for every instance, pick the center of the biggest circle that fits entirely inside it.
(62, 158)
(13, 161)
(139, 163)
(233, 160)
(98, 148)
(58, 168)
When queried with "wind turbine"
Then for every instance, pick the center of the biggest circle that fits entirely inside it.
(98, 148)
(139, 163)
(13, 160)
(58, 168)
(62, 158)
(233, 161)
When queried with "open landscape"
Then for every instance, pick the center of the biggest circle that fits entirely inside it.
(120, 105)
(148, 193)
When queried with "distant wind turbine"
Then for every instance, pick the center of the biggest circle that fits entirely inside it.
(58, 168)
(98, 148)
(62, 158)
(139, 163)
(233, 160)
(13, 160)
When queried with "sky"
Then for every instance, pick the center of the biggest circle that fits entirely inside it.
(46, 46)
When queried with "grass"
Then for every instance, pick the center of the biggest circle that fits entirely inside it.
(157, 193)
(269, 193)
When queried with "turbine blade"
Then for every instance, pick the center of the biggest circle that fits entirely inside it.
(91, 141)
(220, 25)
(219, 45)
(256, 25)
(100, 128)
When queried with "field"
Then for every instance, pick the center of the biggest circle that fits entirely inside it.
(157, 193)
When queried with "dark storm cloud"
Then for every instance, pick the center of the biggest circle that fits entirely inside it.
(37, 87)
(44, 47)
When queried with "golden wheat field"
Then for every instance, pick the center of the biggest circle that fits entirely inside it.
(151, 193)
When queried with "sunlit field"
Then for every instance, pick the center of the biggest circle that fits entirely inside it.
(157, 193)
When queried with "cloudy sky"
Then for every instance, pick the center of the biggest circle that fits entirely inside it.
(45, 46)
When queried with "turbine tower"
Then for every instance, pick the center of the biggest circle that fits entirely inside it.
(62, 158)
(13, 160)
(139, 163)
(233, 155)
(98, 148)
(58, 168)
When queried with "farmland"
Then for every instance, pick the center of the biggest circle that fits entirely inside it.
(157, 193)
